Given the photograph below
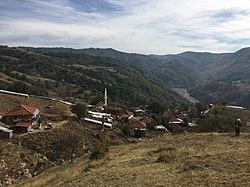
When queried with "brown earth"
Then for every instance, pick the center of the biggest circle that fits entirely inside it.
(27, 155)
(183, 160)
(8, 102)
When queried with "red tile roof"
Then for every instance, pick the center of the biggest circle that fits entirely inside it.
(21, 110)
(100, 103)
(166, 114)
(24, 124)
(126, 114)
(137, 124)
(147, 120)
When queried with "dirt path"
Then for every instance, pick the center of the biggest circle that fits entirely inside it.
(59, 123)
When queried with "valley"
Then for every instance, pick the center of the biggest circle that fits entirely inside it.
(184, 93)
(159, 135)
(103, 93)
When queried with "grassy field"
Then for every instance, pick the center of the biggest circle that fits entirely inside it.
(9, 102)
(210, 159)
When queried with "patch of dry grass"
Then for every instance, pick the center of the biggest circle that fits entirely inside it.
(182, 160)
(8, 102)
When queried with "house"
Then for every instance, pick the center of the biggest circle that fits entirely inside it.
(236, 107)
(105, 124)
(138, 128)
(152, 125)
(166, 114)
(22, 117)
(101, 116)
(113, 109)
(5, 132)
(168, 118)
(125, 116)
(139, 112)
(171, 122)
(100, 105)
(150, 122)
(175, 120)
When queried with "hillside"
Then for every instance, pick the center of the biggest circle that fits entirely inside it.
(209, 77)
(68, 74)
(184, 156)
(26, 155)
(231, 84)
(169, 72)
(232, 93)
(227, 76)
(207, 64)
(172, 72)
(238, 69)
(9, 101)
(182, 160)
(129, 77)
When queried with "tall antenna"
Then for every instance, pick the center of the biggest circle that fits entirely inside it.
(105, 98)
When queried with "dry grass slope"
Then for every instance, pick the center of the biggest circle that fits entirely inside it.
(183, 160)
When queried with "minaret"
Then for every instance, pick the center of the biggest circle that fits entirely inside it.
(105, 98)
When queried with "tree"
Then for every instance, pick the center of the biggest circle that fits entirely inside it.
(19, 86)
(215, 108)
(200, 107)
(155, 106)
(72, 142)
(80, 110)
(69, 141)
(192, 113)
(98, 97)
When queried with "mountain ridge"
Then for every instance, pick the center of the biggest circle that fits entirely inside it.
(197, 71)
(81, 76)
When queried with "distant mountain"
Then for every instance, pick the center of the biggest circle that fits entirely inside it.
(171, 71)
(222, 77)
(230, 80)
(238, 67)
(215, 66)
(72, 73)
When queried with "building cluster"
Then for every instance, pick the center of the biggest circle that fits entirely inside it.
(22, 118)
(136, 123)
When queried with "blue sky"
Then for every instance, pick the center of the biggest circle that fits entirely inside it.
(140, 26)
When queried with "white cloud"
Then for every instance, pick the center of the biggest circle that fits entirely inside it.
(142, 26)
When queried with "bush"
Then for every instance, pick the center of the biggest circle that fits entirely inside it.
(167, 154)
(80, 110)
(167, 157)
(43, 166)
(126, 130)
(98, 151)
(215, 124)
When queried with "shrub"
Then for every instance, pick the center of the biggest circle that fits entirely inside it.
(167, 154)
(167, 157)
(98, 151)
(215, 124)
(43, 166)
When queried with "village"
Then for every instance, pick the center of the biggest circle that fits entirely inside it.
(46, 132)
(29, 119)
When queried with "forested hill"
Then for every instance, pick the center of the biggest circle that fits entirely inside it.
(227, 75)
(134, 78)
(212, 77)
(171, 72)
(69, 73)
